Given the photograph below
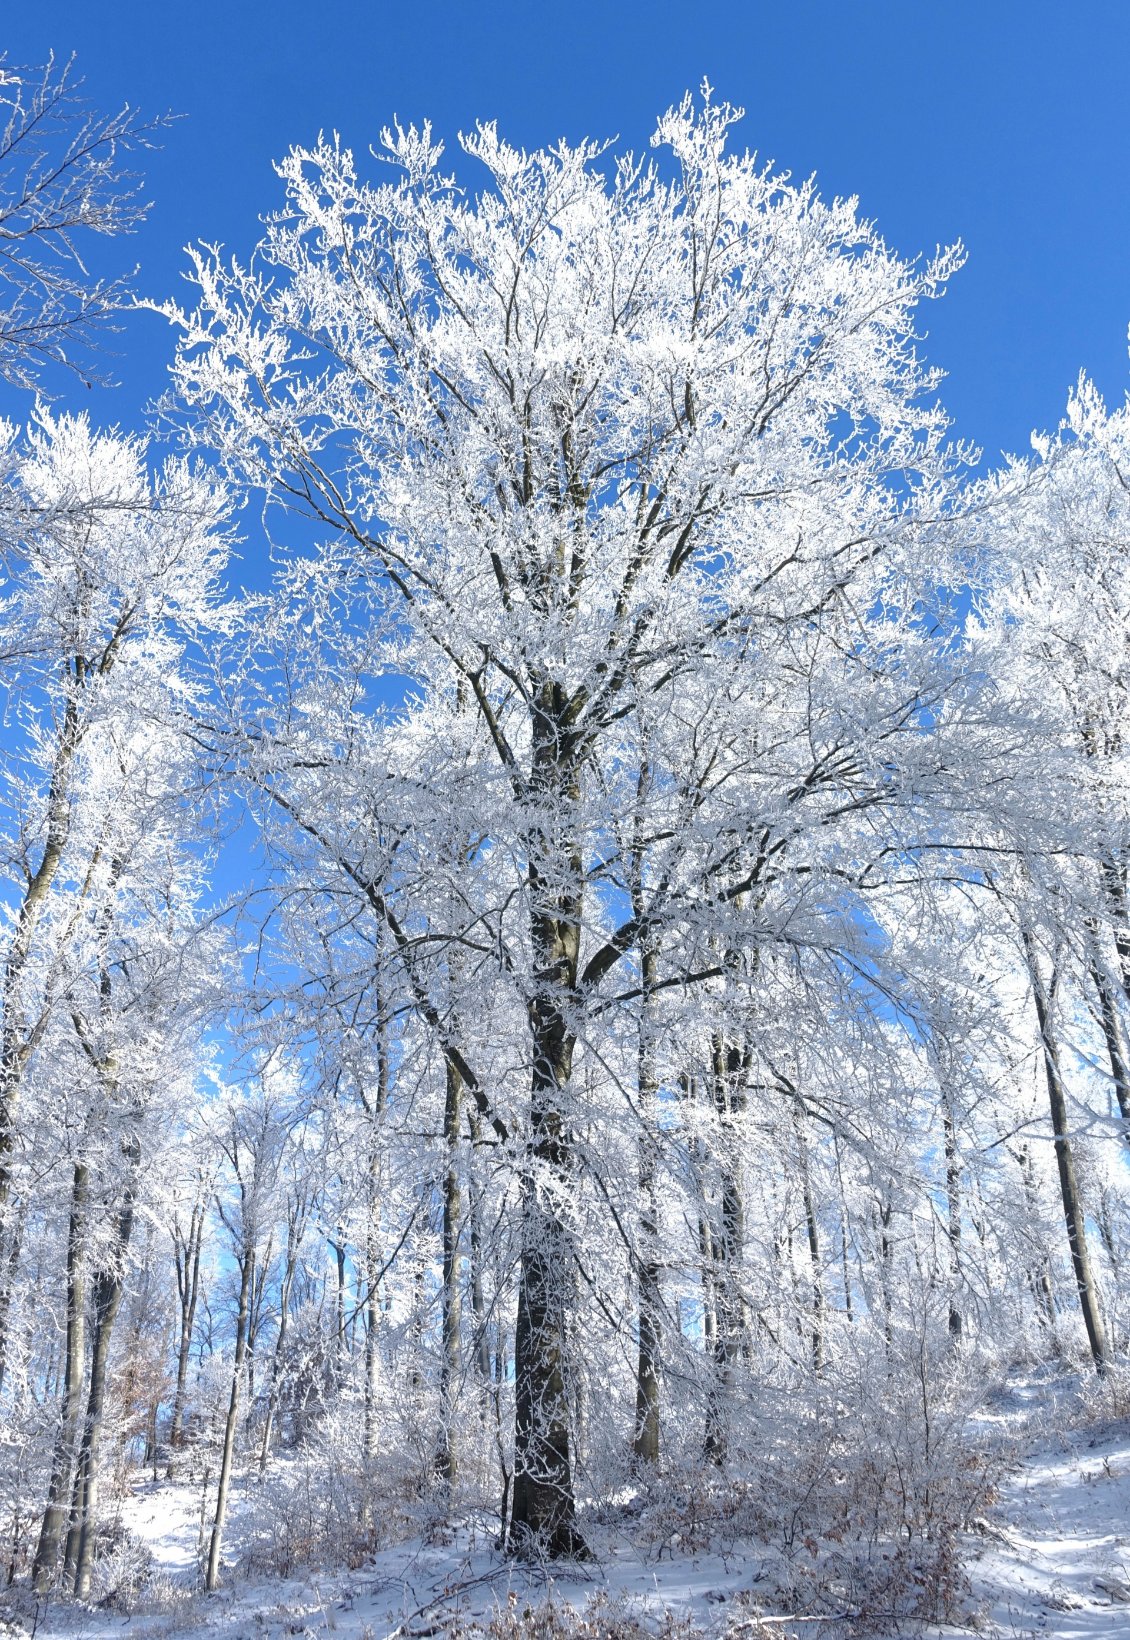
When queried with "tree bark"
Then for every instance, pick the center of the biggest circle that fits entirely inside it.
(187, 1257)
(844, 1232)
(46, 1566)
(813, 1249)
(109, 1285)
(9, 1267)
(1112, 1036)
(478, 1296)
(212, 1575)
(953, 1212)
(295, 1225)
(17, 1039)
(543, 1510)
(645, 1446)
(1069, 1190)
(451, 1318)
(729, 1070)
(375, 1105)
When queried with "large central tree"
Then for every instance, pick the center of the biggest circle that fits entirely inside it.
(623, 466)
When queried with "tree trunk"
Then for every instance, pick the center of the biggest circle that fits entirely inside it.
(372, 1320)
(813, 1250)
(478, 1297)
(953, 1209)
(1039, 1277)
(543, 1509)
(451, 1319)
(844, 1232)
(886, 1209)
(16, 1040)
(46, 1567)
(1112, 1035)
(374, 1109)
(8, 1270)
(108, 1287)
(212, 1575)
(1069, 1190)
(728, 1078)
(187, 1256)
(290, 1266)
(645, 1446)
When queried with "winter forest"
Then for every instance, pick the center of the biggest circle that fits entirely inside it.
(566, 948)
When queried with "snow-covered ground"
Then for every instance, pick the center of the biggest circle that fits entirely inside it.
(1056, 1559)
(1051, 1559)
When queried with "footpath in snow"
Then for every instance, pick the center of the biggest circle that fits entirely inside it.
(1056, 1560)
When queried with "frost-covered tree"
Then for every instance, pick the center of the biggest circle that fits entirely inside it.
(109, 574)
(62, 180)
(623, 466)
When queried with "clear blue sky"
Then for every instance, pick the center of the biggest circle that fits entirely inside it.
(1004, 122)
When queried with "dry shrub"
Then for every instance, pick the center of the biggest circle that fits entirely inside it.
(851, 1494)
(600, 1619)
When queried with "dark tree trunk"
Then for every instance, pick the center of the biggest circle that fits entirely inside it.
(451, 1319)
(953, 1210)
(813, 1228)
(46, 1567)
(17, 1037)
(246, 1267)
(844, 1234)
(187, 1256)
(543, 1511)
(375, 1105)
(478, 1296)
(1112, 1036)
(295, 1225)
(1069, 1189)
(646, 1442)
(108, 1287)
(729, 1073)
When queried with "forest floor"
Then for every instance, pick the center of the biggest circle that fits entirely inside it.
(1051, 1559)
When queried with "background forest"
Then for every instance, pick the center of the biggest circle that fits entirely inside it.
(565, 858)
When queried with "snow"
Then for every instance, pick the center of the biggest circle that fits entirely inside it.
(1058, 1560)
(164, 1517)
(1052, 1558)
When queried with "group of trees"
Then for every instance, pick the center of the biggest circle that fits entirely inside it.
(684, 952)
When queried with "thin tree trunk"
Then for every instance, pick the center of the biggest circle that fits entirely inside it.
(1039, 1278)
(844, 1236)
(886, 1211)
(714, 1438)
(187, 1256)
(8, 1272)
(1112, 1036)
(478, 1297)
(212, 1575)
(1069, 1190)
(16, 1039)
(46, 1567)
(813, 1249)
(339, 1252)
(374, 1110)
(451, 1319)
(293, 1241)
(953, 1209)
(108, 1288)
(728, 1077)
(645, 1445)
(372, 1322)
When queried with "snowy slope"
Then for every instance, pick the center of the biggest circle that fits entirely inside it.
(1057, 1555)
(1052, 1559)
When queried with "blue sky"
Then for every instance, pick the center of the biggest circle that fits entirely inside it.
(1003, 123)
